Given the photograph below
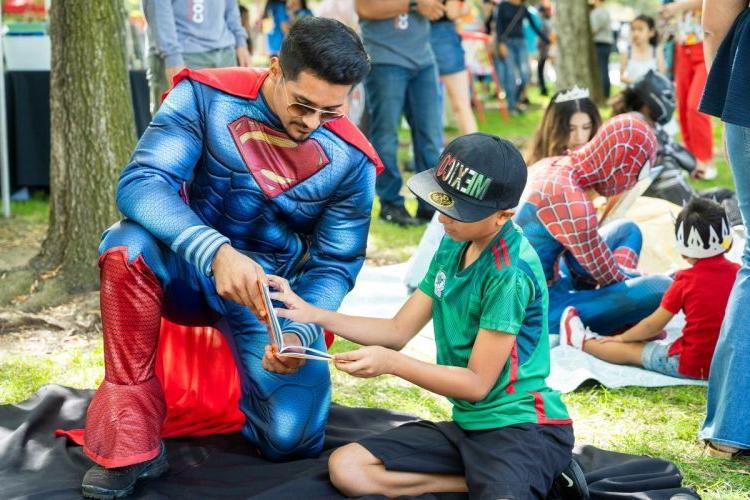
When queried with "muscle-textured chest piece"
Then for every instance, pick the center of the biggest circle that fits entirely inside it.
(276, 162)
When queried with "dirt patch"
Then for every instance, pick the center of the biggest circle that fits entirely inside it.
(75, 324)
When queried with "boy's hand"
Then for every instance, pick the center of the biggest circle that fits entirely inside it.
(366, 362)
(296, 308)
(282, 364)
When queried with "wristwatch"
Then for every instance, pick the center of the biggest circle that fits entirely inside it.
(412, 5)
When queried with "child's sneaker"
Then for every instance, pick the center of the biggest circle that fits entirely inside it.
(572, 331)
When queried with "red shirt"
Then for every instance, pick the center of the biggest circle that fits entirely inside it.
(702, 291)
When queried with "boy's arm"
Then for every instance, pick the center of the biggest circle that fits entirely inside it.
(646, 328)
(393, 333)
(488, 357)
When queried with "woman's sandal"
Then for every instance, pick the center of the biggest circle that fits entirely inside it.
(723, 452)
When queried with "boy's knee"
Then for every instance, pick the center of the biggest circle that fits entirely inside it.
(347, 470)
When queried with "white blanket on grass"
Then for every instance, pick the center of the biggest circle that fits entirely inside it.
(380, 291)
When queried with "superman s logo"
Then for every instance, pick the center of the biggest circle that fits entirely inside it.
(276, 162)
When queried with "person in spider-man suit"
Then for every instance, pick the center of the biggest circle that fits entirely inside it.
(266, 189)
(589, 267)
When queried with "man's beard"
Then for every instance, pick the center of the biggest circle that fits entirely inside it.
(295, 134)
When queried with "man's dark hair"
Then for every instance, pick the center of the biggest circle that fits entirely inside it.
(701, 214)
(325, 47)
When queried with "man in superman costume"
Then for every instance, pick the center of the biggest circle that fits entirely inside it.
(590, 267)
(242, 172)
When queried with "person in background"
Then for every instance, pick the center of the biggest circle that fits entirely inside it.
(451, 63)
(703, 237)
(543, 47)
(512, 56)
(275, 10)
(570, 121)
(295, 9)
(247, 24)
(344, 12)
(403, 80)
(727, 54)
(690, 80)
(643, 54)
(184, 33)
(560, 220)
(340, 10)
(601, 30)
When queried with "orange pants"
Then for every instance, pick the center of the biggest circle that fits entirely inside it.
(690, 80)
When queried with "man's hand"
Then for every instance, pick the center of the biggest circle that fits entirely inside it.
(236, 277)
(366, 362)
(171, 72)
(431, 9)
(296, 308)
(282, 364)
(244, 58)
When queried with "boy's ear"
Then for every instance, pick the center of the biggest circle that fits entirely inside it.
(504, 215)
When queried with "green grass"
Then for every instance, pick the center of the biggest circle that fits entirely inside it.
(35, 209)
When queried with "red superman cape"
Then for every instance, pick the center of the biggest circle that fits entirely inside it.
(194, 364)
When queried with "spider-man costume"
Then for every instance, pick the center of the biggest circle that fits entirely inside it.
(586, 266)
(215, 167)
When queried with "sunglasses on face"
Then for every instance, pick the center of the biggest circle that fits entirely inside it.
(298, 109)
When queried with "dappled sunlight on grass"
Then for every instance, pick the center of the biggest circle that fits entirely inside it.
(24, 375)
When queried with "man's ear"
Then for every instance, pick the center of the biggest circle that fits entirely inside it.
(275, 67)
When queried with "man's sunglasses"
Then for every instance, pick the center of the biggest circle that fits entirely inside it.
(298, 109)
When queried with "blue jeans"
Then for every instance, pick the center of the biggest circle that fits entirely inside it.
(609, 308)
(390, 91)
(603, 50)
(728, 411)
(513, 71)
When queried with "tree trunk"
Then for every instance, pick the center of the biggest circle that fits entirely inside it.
(577, 64)
(92, 134)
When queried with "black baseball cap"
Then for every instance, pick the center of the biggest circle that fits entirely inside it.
(477, 175)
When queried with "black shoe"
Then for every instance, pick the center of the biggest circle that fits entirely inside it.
(119, 482)
(397, 214)
(424, 214)
(571, 484)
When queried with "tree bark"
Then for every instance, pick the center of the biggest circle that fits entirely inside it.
(577, 64)
(92, 134)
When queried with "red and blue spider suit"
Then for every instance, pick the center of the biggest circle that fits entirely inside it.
(589, 267)
(299, 209)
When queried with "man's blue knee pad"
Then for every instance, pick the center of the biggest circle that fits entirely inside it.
(293, 426)
(138, 241)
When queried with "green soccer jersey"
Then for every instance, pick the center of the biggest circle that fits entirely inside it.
(503, 290)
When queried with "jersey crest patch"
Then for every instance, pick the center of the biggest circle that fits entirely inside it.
(276, 162)
(439, 284)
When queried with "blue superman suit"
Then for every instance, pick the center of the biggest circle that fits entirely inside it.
(300, 210)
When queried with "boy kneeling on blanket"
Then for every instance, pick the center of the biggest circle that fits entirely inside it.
(702, 292)
(485, 291)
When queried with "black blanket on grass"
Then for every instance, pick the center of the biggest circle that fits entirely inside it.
(36, 464)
